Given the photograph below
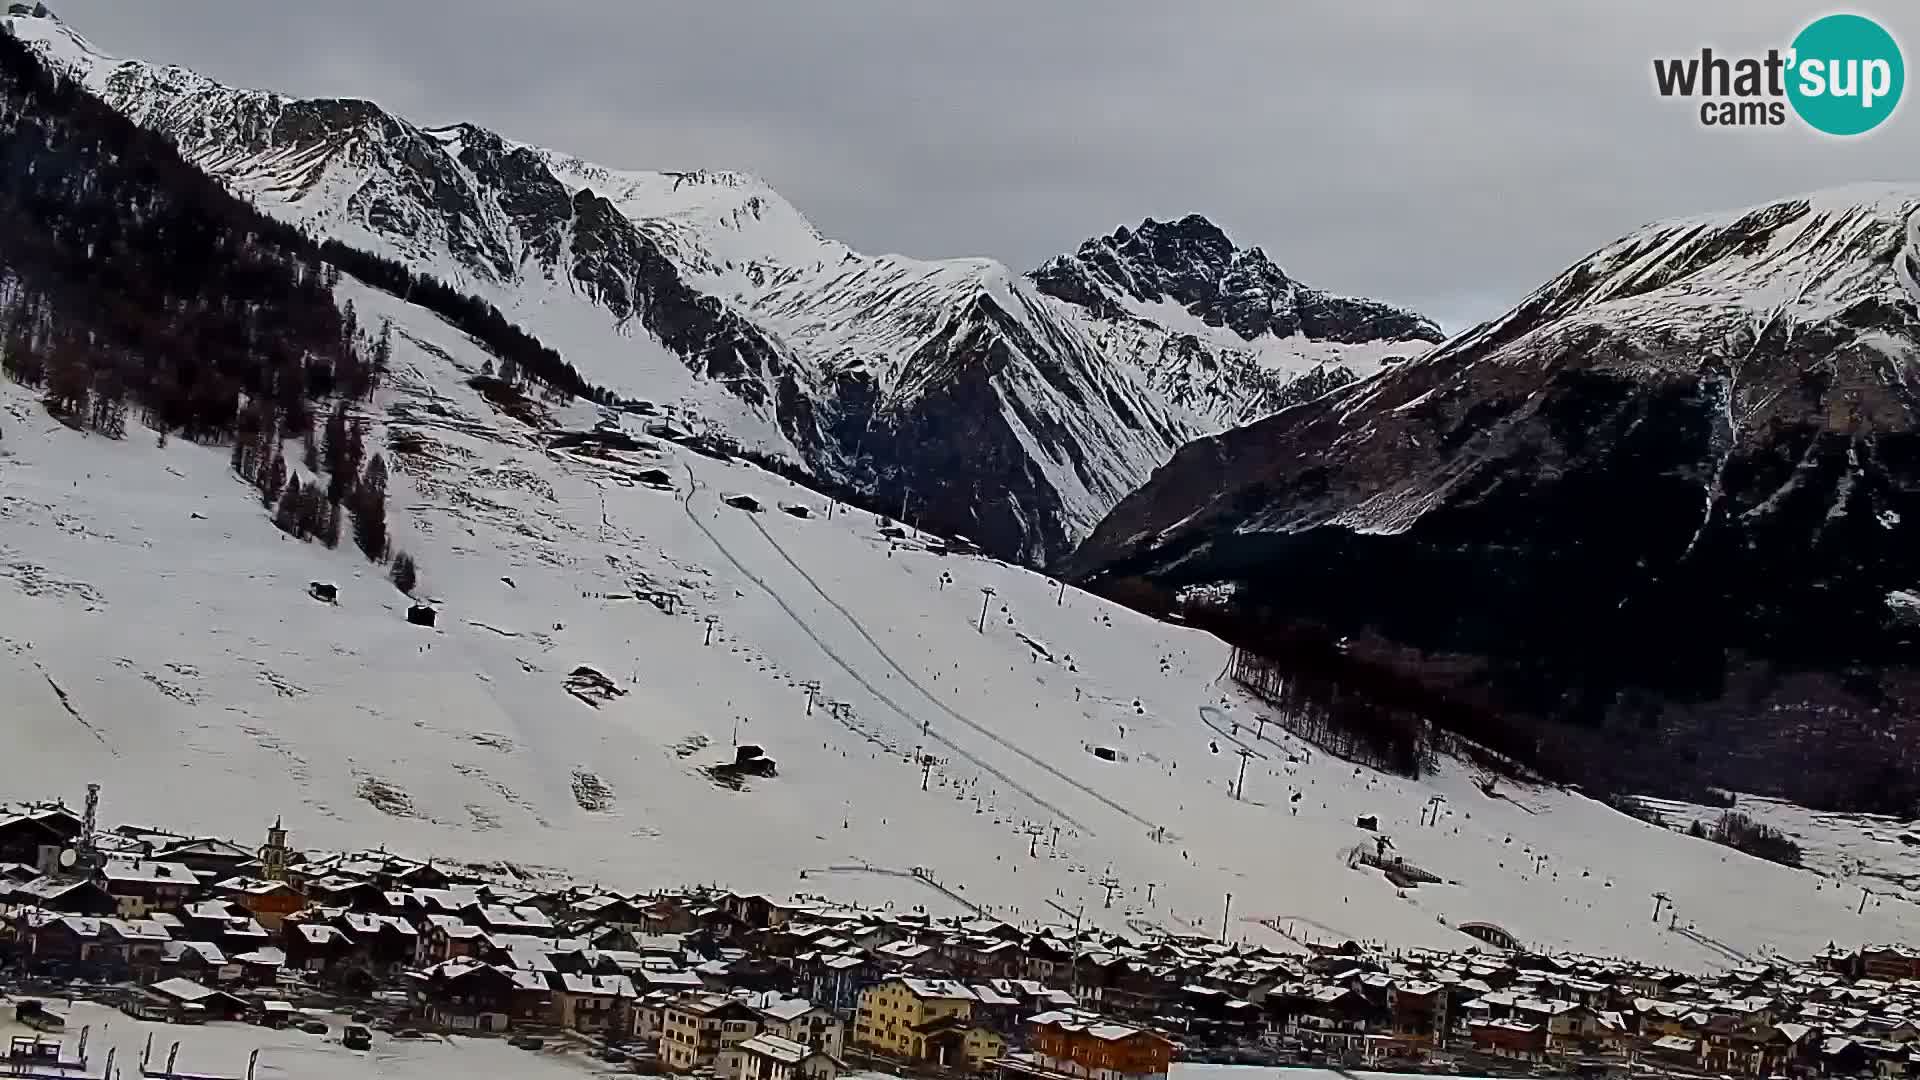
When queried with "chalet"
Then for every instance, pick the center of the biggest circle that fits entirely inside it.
(1045, 959)
(447, 938)
(71, 896)
(703, 1031)
(386, 943)
(801, 1021)
(37, 835)
(102, 948)
(1333, 1017)
(226, 925)
(139, 885)
(316, 946)
(339, 891)
(176, 999)
(1888, 963)
(268, 902)
(666, 976)
(1515, 1040)
(771, 1057)
(462, 995)
(755, 911)
(1086, 1045)
(208, 855)
(200, 961)
(593, 1003)
(500, 919)
(530, 1002)
(1674, 1051)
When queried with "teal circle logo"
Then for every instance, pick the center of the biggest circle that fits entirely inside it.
(1847, 74)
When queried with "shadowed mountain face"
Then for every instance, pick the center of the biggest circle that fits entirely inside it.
(1677, 489)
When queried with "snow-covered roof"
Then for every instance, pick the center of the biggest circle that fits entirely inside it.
(782, 1050)
(147, 872)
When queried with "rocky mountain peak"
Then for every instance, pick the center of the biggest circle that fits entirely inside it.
(1192, 263)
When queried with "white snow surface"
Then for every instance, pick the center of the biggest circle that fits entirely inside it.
(1855, 851)
(223, 1049)
(1220, 378)
(156, 636)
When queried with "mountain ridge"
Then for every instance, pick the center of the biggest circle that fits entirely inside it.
(1680, 472)
(706, 295)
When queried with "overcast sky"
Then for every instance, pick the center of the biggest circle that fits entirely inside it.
(1448, 156)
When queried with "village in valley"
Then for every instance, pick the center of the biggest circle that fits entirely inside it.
(368, 950)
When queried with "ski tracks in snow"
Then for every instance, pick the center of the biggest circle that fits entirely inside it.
(929, 695)
(686, 504)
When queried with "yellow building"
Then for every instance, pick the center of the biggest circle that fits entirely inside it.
(927, 1020)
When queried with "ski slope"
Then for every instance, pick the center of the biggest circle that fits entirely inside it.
(156, 636)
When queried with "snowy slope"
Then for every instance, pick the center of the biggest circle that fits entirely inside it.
(156, 636)
(950, 384)
(1862, 851)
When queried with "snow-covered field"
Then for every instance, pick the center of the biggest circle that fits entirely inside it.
(156, 636)
(223, 1049)
(1860, 851)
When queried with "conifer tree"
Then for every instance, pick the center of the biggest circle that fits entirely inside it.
(405, 575)
(370, 510)
(287, 517)
(328, 526)
(273, 476)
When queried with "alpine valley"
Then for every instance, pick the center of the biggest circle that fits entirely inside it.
(295, 528)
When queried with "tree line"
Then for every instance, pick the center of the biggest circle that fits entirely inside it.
(1342, 698)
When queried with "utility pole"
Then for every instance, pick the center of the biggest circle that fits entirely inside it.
(1110, 885)
(812, 687)
(986, 598)
(712, 621)
(1061, 598)
(1863, 900)
(926, 770)
(1228, 910)
(1660, 899)
(1261, 732)
(1150, 888)
(1240, 785)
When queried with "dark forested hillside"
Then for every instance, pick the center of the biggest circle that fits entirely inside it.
(129, 280)
(133, 281)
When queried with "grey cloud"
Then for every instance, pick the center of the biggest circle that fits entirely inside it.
(1446, 156)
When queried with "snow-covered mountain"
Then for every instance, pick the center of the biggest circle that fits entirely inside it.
(1677, 487)
(616, 621)
(1220, 330)
(953, 388)
(155, 628)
